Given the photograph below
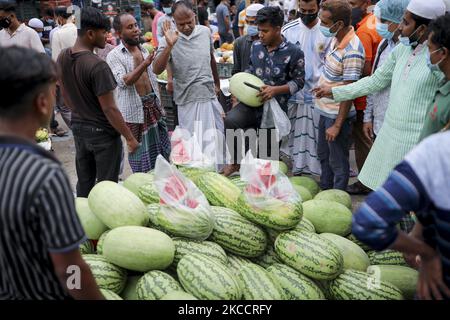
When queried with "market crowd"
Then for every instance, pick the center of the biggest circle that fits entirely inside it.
(369, 74)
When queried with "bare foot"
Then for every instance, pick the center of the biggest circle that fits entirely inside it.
(229, 169)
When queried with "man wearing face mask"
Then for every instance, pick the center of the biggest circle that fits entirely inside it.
(302, 143)
(407, 73)
(189, 53)
(167, 9)
(150, 10)
(389, 14)
(242, 45)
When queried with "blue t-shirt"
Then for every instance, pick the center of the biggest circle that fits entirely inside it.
(222, 12)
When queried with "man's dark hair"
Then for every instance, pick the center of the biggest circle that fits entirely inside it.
(308, 1)
(20, 82)
(419, 20)
(441, 31)
(273, 15)
(8, 6)
(147, 6)
(93, 19)
(340, 10)
(117, 22)
(50, 12)
(128, 9)
(166, 2)
(61, 11)
(182, 3)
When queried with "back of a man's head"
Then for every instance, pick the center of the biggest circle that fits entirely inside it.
(93, 19)
(24, 73)
(8, 7)
(340, 10)
(63, 12)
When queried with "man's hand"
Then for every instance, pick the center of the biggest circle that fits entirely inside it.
(332, 132)
(324, 91)
(431, 284)
(148, 61)
(169, 86)
(413, 260)
(170, 35)
(133, 145)
(368, 130)
(267, 93)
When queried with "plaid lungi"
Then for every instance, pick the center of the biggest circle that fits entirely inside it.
(152, 136)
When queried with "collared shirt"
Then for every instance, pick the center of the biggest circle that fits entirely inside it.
(24, 36)
(160, 31)
(241, 53)
(284, 65)
(439, 114)
(344, 62)
(315, 47)
(129, 102)
(65, 37)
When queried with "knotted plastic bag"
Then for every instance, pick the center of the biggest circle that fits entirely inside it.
(274, 117)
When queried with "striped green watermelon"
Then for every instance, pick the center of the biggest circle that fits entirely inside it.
(312, 255)
(87, 247)
(107, 275)
(357, 285)
(303, 225)
(236, 180)
(136, 180)
(192, 173)
(362, 245)
(116, 206)
(178, 295)
(296, 286)
(387, 257)
(236, 234)
(404, 278)
(303, 192)
(139, 248)
(306, 182)
(207, 248)
(235, 263)
(276, 214)
(328, 216)
(92, 225)
(219, 190)
(156, 284)
(109, 295)
(130, 292)
(339, 196)
(354, 257)
(258, 284)
(268, 258)
(148, 194)
(100, 242)
(207, 279)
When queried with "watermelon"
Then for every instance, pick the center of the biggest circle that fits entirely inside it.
(87, 247)
(335, 195)
(295, 285)
(100, 242)
(357, 285)
(258, 284)
(237, 235)
(404, 278)
(363, 246)
(136, 180)
(139, 248)
(148, 194)
(109, 295)
(328, 216)
(236, 180)
(235, 263)
(192, 173)
(312, 255)
(267, 259)
(306, 182)
(156, 284)
(219, 190)
(130, 292)
(304, 193)
(282, 167)
(243, 93)
(277, 214)
(303, 225)
(207, 279)
(116, 206)
(206, 248)
(107, 275)
(354, 257)
(92, 225)
(387, 257)
(178, 295)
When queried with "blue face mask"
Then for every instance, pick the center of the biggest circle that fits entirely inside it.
(326, 31)
(407, 40)
(433, 67)
(167, 10)
(383, 31)
(252, 31)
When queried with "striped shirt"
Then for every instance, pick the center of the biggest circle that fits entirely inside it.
(421, 184)
(344, 62)
(37, 217)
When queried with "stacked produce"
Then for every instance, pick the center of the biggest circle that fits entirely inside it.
(242, 257)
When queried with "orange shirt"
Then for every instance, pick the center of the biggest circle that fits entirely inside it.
(367, 33)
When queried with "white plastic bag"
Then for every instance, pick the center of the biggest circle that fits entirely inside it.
(184, 209)
(275, 117)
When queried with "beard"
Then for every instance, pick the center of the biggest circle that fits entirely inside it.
(131, 42)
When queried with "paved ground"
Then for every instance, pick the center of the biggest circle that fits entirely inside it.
(65, 151)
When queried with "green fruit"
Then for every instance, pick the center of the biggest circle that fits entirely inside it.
(363, 246)
(107, 275)
(135, 181)
(235, 263)
(156, 284)
(303, 225)
(109, 295)
(130, 292)
(304, 193)
(243, 93)
(148, 194)
(100, 242)
(178, 295)
(328, 216)
(387, 257)
(257, 284)
(219, 190)
(207, 248)
(268, 258)
(87, 247)
(339, 196)
(404, 278)
(92, 225)
(306, 182)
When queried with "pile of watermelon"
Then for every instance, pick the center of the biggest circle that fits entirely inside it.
(242, 258)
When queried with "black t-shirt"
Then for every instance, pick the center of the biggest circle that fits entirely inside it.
(48, 27)
(85, 77)
(202, 15)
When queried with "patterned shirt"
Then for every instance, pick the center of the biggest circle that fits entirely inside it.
(284, 65)
(129, 102)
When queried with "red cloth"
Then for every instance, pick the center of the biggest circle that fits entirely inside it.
(155, 27)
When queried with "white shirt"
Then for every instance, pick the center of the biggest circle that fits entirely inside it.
(65, 37)
(52, 33)
(24, 36)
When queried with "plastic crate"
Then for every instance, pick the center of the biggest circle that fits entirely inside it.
(225, 70)
(168, 105)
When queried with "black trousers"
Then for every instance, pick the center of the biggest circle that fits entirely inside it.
(98, 155)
